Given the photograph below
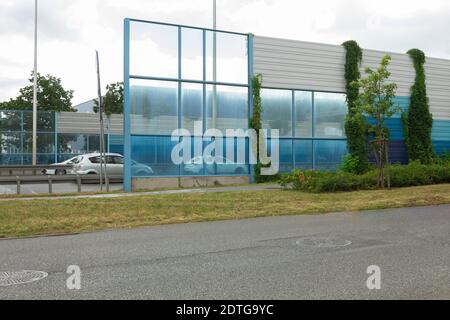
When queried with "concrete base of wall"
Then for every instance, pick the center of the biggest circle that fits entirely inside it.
(186, 182)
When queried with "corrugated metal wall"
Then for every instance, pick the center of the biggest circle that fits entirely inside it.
(88, 123)
(301, 65)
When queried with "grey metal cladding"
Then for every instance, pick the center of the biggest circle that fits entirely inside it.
(292, 64)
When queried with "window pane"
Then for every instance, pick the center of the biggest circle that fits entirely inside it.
(153, 50)
(154, 107)
(192, 105)
(45, 121)
(330, 113)
(232, 61)
(10, 121)
(72, 144)
(277, 110)
(303, 114)
(286, 158)
(154, 152)
(230, 107)
(10, 143)
(45, 143)
(329, 154)
(303, 154)
(192, 54)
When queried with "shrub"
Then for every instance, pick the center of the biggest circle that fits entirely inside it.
(414, 174)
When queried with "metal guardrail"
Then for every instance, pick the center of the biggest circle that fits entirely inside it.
(32, 170)
(51, 179)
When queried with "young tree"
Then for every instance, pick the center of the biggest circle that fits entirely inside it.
(375, 100)
(113, 99)
(51, 96)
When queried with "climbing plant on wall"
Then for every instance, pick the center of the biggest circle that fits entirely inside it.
(418, 121)
(355, 124)
(255, 124)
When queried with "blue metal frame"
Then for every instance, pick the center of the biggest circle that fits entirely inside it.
(127, 183)
(127, 77)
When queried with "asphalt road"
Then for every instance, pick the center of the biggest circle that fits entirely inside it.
(42, 188)
(304, 257)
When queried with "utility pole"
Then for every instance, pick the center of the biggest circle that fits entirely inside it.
(103, 158)
(34, 147)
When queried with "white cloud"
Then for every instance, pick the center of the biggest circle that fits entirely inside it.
(71, 30)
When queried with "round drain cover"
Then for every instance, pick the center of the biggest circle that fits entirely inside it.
(323, 242)
(20, 277)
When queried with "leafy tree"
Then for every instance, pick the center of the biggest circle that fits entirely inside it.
(51, 96)
(375, 99)
(418, 121)
(113, 99)
(355, 124)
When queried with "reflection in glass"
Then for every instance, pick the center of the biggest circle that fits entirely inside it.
(154, 152)
(192, 54)
(303, 154)
(232, 61)
(329, 154)
(154, 107)
(330, 113)
(277, 110)
(232, 108)
(303, 114)
(153, 50)
(192, 105)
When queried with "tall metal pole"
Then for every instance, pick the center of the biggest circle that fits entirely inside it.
(102, 130)
(214, 98)
(34, 148)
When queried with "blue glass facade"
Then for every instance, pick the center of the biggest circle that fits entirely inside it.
(52, 146)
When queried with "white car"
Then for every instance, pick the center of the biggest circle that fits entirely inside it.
(220, 166)
(90, 164)
(59, 172)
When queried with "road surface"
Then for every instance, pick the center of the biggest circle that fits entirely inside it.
(297, 257)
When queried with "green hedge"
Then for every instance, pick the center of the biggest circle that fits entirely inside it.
(414, 174)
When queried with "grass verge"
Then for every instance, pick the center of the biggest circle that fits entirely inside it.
(41, 216)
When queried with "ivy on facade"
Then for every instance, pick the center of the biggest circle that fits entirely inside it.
(418, 121)
(355, 124)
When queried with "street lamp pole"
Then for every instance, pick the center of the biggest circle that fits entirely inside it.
(34, 151)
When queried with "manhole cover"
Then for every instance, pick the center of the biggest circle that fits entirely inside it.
(323, 242)
(20, 277)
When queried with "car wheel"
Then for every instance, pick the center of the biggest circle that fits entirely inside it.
(239, 171)
(60, 172)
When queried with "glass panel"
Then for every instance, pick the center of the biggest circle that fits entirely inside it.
(153, 50)
(72, 144)
(154, 107)
(192, 106)
(10, 143)
(195, 166)
(45, 143)
(303, 154)
(286, 158)
(330, 113)
(192, 54)
(231, 107)
(229, 163)
(10, 121)
(329, 154)
(45, 121)
(155, 153)
(277, 111)
(303, 114)
(232, 61)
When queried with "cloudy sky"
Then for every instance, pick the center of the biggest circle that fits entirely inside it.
(71, 30)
